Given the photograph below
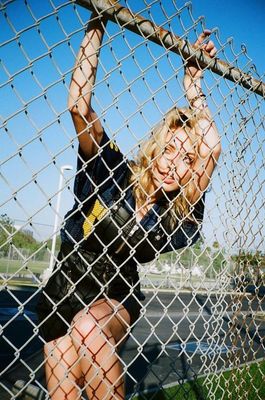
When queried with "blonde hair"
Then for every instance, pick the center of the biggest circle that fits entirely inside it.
(142, 177)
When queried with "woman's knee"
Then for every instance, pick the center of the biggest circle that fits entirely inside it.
(87, 327)
(102, 318)
(61, 352)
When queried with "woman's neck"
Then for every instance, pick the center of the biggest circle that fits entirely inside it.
(144, 205)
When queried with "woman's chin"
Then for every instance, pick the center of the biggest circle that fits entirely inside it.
(170, 186)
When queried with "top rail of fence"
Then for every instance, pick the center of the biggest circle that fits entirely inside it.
(146, 28)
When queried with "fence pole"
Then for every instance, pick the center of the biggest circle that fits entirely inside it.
(143, 27)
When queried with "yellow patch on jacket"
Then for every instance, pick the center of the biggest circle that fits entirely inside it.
(95, 214)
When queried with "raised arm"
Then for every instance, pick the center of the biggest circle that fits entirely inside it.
(87, 125)
(209, 146)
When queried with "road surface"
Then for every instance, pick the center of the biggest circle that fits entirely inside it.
(178, 337)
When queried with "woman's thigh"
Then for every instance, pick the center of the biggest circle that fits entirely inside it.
(105, 315)
(63, 372)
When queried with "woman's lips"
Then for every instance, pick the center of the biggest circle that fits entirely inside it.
(166, 178)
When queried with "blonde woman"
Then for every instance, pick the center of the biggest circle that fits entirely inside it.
(124, 214)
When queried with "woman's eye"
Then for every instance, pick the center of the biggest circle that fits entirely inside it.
(188, 160)
(166, 152)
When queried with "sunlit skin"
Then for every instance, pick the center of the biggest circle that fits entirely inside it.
(173, 168)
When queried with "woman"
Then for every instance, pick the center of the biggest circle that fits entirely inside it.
(124, 214)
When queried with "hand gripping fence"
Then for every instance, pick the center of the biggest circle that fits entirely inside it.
(71, 303)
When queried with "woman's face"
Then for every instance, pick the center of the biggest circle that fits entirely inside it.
(173, 167)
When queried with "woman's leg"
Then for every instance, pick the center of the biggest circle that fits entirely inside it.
(96, 334)
(63, 372)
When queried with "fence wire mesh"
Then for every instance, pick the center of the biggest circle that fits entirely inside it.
(200, 331)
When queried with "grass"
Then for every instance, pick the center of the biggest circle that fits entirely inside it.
(244, 383)
(17, 267)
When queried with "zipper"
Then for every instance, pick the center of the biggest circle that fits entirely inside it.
(132, 232)
(105, 280)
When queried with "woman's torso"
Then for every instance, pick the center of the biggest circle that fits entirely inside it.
(103, 219)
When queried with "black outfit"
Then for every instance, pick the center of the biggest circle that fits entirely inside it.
(102, 243)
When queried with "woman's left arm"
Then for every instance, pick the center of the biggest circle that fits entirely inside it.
(209, 146)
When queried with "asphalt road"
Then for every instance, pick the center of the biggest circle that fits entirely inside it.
(188, 335)
(179, 336)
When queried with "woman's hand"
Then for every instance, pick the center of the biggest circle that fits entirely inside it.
(193, 73)
(192, 69)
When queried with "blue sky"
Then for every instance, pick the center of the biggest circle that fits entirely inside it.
(241, 20)
(37, 134)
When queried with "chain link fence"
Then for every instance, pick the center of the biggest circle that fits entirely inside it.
(200, 333)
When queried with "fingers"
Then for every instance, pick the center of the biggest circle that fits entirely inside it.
(203, 36)
(210, 48)
(205, 44)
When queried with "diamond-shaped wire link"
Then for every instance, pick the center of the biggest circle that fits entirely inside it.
(202, 321)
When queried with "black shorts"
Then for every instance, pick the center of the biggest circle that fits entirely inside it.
(80, 278)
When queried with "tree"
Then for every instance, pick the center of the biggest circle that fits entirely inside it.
(19, 238)
(250, 266)
(6, 229)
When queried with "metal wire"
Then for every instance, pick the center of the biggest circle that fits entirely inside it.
(202, 322)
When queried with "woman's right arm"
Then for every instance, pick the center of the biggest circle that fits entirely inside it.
(87, 125)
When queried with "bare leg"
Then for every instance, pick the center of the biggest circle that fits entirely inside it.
(96, 335)
(63, 372)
